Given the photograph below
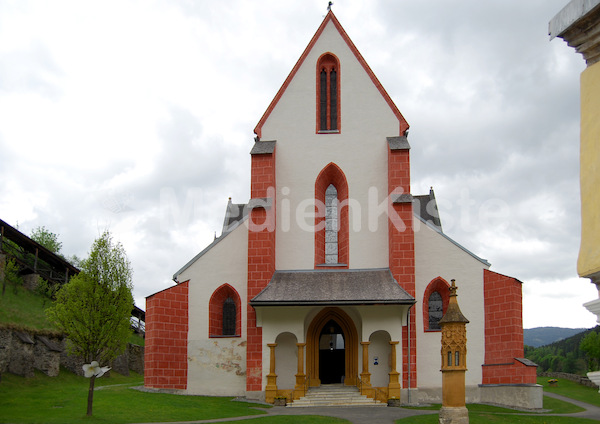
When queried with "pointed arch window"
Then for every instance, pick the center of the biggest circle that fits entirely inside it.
(328, 94)
(435, 303)
(331, 218)
(229, 315)
(436, 310)
(225, 314)
(331, 225)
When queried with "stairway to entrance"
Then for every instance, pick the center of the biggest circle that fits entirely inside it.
(334, 395)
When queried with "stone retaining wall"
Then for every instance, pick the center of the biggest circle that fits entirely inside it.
(572, 377)
(22, 352)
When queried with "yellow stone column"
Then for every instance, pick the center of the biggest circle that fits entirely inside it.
(365, 375)
(454, 363)
(271, 389)
(394, 384)
(299, 389)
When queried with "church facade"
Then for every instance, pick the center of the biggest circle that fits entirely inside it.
(333, 272)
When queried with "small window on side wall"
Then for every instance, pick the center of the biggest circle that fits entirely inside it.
(224, 313)
(229, 317)
(435, 302)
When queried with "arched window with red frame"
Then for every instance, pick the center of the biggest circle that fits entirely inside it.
(328, 94)
(435, 303)
(331, 218)
(225, 313)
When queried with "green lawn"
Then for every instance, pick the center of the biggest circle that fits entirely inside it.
(481, 414)
(63, 399)
(572, 390)
(484, 418)
(45, 400)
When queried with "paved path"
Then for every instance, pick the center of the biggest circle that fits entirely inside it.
(354, 414)
(384, 415)
(591, 411)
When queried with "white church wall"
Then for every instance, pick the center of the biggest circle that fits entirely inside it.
(286, 361)
(380, 358)
(360, 150)
(390, 318)
(217, 366)
(436, 256)
(276, 320)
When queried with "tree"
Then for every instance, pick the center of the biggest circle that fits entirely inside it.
(94, 308)
(47, 239)
(591, 346)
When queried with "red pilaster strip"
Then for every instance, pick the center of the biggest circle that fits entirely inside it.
(261, 258)
(402, 251)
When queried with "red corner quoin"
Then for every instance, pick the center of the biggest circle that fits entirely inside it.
(402, 253)
(165, 359)
(504, 332)
(261, 259)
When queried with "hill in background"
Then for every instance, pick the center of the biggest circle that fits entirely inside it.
(542, 336)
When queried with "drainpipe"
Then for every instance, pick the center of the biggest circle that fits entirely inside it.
(408, 328)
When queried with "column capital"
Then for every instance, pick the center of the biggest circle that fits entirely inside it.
(272, 344)
(393, 342)
(300, 344)
(365, 343)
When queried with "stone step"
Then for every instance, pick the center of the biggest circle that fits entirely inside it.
(334, 395)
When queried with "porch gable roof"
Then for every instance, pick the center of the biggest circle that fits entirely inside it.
(333, 287)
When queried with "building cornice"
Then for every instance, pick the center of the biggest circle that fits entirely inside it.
(578, 23)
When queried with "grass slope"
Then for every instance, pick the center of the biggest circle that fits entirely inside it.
(20, 308)
(572, 390)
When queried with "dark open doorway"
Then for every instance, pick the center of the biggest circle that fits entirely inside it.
(332, 354)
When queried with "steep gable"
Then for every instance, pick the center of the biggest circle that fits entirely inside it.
(331, 19)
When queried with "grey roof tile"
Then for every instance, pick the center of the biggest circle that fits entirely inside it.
(263, 147)
(398, 143)
(333, 287)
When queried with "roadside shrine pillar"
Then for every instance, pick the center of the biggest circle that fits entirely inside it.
(454, 363)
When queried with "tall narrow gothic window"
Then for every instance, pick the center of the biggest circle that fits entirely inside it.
(229, 317)
(328, 94)
(331, 218)
(331, 225)
(436, 310)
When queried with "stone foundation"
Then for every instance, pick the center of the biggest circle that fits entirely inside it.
(46, 353)
(428, 395)
(450, 415)
(522, 396)
(22, 353)
(31, 281)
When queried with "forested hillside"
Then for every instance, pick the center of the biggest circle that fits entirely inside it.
(542, 336)
(577, 354)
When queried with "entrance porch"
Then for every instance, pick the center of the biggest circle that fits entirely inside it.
(332, 327)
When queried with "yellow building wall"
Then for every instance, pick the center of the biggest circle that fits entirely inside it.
(588, 264)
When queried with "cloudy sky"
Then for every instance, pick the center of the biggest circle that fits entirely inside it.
(137, 116)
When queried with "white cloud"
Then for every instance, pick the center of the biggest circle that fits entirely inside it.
(107, 105)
